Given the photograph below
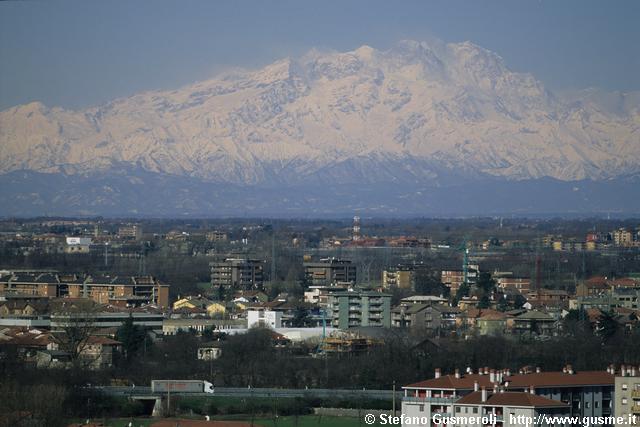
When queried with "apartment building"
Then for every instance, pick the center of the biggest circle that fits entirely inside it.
(437, 317)
(217, 236)
(125, 291)
(627, 394)
(622, 237)
(319, 295)
(587, 393)
(264, 318)
(237, 273)
(402, 276)
(398, 278)
(355, 308)
(453, 279)
(329, 271)
(133, 232)
(522, 284)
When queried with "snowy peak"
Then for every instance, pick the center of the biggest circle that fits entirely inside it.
(420, 112)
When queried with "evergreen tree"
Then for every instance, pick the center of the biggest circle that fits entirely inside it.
(300, 318)
(132, 338)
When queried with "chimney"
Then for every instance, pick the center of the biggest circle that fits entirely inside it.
(633, 371)
(484, 395)
(486, 370)
(437, 373)
(492, 376)
(506, 384)
(469, 370)
(476, 386)
(622, 370)
(532, 390)
(457, 373)
(564, 370)
(538, 370)
(508, 372)
(480, 371)
(570, 369)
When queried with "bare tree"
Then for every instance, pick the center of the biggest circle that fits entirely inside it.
(75, 323)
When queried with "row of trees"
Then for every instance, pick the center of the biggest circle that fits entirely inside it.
(252, 360)
(406, 356)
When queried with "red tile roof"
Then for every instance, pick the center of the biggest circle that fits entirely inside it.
(625, 282)
(451, 382)
(519, 381)
(102, 340)
(596, 280)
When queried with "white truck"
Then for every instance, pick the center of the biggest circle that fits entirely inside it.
(181, 386)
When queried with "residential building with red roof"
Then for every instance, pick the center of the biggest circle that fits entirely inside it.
(585, 393)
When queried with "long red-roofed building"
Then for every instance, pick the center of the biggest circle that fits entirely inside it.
(579, 393)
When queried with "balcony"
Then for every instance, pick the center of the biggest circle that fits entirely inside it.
(497, 417)
(635, 394)
(431, 400)
(635, 409)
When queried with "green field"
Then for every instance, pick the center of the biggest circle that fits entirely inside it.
(302, 421)
(311, 421)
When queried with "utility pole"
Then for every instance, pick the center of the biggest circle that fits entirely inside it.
(169, 399)
(273, 255)
(394, 399)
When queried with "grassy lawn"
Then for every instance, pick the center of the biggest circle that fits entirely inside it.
(124, 422)
(303, 421)
(311, 421)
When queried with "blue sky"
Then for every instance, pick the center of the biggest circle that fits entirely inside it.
(82, 53)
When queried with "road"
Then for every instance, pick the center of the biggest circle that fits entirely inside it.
(264, 392)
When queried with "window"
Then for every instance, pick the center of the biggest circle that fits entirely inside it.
(624, 400)
(421, 408)
(475, 410)
(586, 405)
(596, 404)
(625, 386)
(457, 409)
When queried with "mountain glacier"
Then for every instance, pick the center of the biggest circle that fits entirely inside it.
(416, 115)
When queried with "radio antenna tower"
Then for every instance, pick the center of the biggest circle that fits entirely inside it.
(356, 228)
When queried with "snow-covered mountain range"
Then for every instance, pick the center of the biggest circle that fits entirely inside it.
(419, 114)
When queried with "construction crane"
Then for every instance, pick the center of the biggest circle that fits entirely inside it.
(465, 260)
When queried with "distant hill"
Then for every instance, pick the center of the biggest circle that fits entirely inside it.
(418, 129)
